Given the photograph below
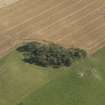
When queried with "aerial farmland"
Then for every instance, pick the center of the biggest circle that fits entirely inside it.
(76, 24)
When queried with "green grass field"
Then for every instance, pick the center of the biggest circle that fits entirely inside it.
(81, 84)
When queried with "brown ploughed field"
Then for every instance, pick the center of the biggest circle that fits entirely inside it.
(71, 23)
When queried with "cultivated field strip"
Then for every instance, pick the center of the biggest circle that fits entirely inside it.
(85, 39)
(28, 24)
(43, 21)
(67, 22)
(73, 16)
(83, 29)
(70, 27)
(43, 17)
(75, 25)
(31, 13)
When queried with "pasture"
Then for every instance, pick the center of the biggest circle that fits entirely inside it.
(19, 79)
(73, 88)
(82, 83)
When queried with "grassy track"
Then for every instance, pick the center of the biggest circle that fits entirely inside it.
(82, 84)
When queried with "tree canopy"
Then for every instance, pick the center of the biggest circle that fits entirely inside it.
(50, 54)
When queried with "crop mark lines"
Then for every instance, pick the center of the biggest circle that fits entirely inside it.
(54, 15)
(45, 19)
(75, 22)
(97, 34)
(68, 15)
(84, 38)
(68, 27)
(65, 17)
(31, 11)
(23, 30)
(20, 17)
(88, 33)
(19, 30)
(31, 18)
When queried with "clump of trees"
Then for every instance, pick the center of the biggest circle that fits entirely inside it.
(50, 54)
